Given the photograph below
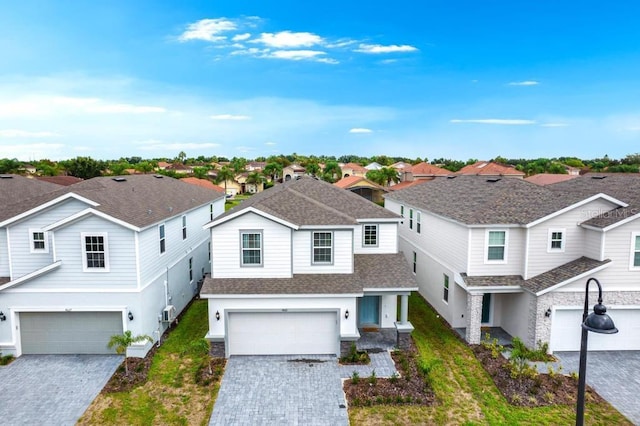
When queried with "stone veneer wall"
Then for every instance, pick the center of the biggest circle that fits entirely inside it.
(216, 349)
(474, 318)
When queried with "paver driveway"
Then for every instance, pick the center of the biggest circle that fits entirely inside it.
(52, 389)
(613, 374)
(283, 390)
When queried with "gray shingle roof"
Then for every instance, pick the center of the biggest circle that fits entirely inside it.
(489, 281)
(562, 273)
(371, 271)
(4, 280)
(15, 188)
(139, 200)
(308, 201)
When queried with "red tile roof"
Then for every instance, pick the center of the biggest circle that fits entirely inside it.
(425, 169)
(350, 181)
(202, 183)
(407, 184)
(486, 168)
(543, 179)
(60, 180)
(355, 167)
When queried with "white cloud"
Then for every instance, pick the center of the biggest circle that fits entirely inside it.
(360, 130)
(288, 39)
(125, 109)
(524, 83)
(379, 48)
(241, 37)
(270, 143)
(208, 30)
(230, 117)
(27, 152)
(295, 55)
(14, 133)
(554, 125)
(509, 122)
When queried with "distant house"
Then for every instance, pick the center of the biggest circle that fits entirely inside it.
(488, 168)
(423, 171)
(180, 168)
(29, 168)
(248, 187)
(363, 187)
(406, 184)
(301, 268)
(543, 179)
(162, 165)
(373, 166)
(255, 166)
(403, 169)
(81, 263)
(292, 172)
(204, 183)
(353, 169)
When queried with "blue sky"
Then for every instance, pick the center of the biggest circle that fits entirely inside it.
(455, 79)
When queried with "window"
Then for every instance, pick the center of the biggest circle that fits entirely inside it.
(410, 218)
(415, 262)
(322, 247)
(39, 241)
(445, 295)
(418, 217)
(191, 269)
(184, 227)
(496, 245)
(209, 251)
(556, 240)
(636, 250)
(370, 235)
(251, 248)
(402, 211)
(163, 246)
(210, 211)
(95, 253)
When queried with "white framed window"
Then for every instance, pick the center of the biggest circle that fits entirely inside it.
(251, 248)
(556, 240)
(191, 269)
(322, 248)
(635, 251)
(402, 210)
(184, 227)
(415, 262)
(370, 236)
(95, 252)
(496, 247)
(39, 241)
(210, 211)
(163, 239)
(410, 218)
(418, 219)
(445, 289)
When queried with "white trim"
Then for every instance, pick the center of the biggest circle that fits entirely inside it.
(85, 212)
(325, 227)
(634, 237)
(527, 239)
(250, 209)
(47, 205)
(572, 279)
(377, 234)
(32, 241)
(162, 237)
(445, 288)
(31, 275)
(332, 248)
(494, 289)
(418, 221)
(576, 205)
(563, 240)
(183, 227)
(394, 290)
(486, 259)
(602, 246)
(281, 296)
(258, 232)
(380, 220)
(105, 242)
(622, 222)
(75, 290)
(9, 253)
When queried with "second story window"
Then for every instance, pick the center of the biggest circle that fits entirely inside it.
(445, 295)
(556, 240)
(191, 269)
(402, 211)
(163, 242)
(251, 242)
(410, 218)
(211, 211)
(636, 251)
(322, 247)
(370, 236)
(415, 262)
(95, 253)
(39, 242)
(184, 227)
(418, 218)
(496, 244)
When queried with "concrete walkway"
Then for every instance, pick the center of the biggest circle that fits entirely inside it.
(381, 362)
(52, 389)
(613, 374)
(282, 390)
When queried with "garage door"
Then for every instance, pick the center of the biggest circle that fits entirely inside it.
(68, 332)
(282, 333)
(566, 331)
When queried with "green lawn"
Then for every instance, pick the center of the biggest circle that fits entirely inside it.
(170, 395)
(464, 391)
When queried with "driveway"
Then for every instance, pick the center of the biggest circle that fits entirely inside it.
(613, 374)
(52, 389)
(293, 390)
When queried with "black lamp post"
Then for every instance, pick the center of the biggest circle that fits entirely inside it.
(598, 322)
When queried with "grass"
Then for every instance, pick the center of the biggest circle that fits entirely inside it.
(170, 395)
(229, 204)
(465, 393)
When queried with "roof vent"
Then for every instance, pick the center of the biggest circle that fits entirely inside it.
(6, 177)
(598, 177)
(493, 180)
(452, 176)
(120, 179)
(158, 176)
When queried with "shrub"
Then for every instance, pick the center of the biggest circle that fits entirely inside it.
(373, 379)
(355, 377)
(492, 345)
(394, 378)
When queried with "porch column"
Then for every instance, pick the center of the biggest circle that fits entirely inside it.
(404, 309)
(474, 318)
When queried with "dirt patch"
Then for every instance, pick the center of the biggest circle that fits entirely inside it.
(410, 387)
(210, 371)
(531, 391)
(138, 373)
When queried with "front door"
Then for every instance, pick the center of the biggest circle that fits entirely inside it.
(369, 310)
(486, 308)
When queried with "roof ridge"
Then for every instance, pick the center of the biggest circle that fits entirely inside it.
(318, 203)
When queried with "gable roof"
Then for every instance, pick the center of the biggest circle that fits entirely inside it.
(543, 179)
(310, 202)
(488, 168)
(15, 188)
(353, 181)
(139, 200)
(204, 183)
(355, 167)
(407, 183)
(426, 169)
(555, 277)
(60, 180)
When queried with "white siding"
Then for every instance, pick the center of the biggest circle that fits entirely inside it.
(342, 253)
(592, 244)
(276, 248)
(618, 248)
(387, 239)
(516, 240)
(4, 254)
(511, 315)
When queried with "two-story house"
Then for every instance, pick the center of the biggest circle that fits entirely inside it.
(83, 262)
(500, 252)
(300, 267)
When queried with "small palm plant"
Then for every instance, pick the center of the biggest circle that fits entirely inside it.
(123, 341)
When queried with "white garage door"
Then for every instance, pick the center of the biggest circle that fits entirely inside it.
(566, 331)
(68, 332)
(282, 333)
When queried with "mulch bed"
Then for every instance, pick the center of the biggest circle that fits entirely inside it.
(411, 387)
(540, 390)
(210, 371)
(138, 372)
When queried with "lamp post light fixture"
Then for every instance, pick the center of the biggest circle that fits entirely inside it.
(599, 322)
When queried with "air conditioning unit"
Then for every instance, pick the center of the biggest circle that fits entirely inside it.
(169, 313)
